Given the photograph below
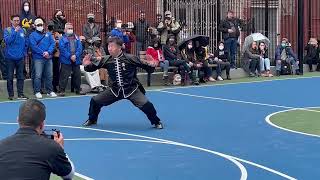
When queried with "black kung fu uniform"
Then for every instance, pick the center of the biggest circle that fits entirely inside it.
(122, 84)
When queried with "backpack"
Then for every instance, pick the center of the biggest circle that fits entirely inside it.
(286, 68)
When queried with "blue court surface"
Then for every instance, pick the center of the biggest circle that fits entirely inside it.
(216, 132)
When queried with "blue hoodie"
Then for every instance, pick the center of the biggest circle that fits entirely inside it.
(16, 44)
(65, 50)
(40, 43)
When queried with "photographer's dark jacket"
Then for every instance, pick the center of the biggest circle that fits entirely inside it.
(122, 73)
(27, 155)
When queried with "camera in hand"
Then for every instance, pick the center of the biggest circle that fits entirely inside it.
(49, 133)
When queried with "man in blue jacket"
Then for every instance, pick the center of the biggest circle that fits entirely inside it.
(15, 51)
(284, 53)
(118, 32)
(42, 45)
(70, 53)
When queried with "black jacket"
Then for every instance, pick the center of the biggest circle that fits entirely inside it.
(170, 53)
(221, 54)
(228, 24)
(122, 73)
(59, 25)
(312, 52)
(27, 155)
(141, 30)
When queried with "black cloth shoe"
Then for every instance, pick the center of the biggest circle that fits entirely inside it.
(228, 78)
(11, 98)
(22, 97)
(158, 126)
(61, 94)
(89, 123)
(278, 73)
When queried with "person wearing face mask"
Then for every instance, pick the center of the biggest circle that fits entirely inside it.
(42, 45)
(90, 29)
(95, 54)
(172, 54)
(59, 21)
(284, 53)
(70, 53)
(189, 55)
(251, 59)
(119, 32)
(26, 17)
(141, 31)
(312, 56)
(221, 58)
(154, 54)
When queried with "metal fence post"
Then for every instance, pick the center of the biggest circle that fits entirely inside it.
(300, 33)
(266, 18)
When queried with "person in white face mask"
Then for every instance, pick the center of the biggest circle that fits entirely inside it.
(221, 58)
(42, 46)
(26, 17)
(70, 53)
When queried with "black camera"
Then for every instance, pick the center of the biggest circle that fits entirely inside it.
(49, 133)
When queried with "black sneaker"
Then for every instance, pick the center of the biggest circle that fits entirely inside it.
(61, 94)
(158, 126)
(11, 98)
(22, 97)
(89, 123)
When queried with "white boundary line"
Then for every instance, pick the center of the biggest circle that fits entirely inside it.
(180, 87)
(267, 119)
(168, 141)
(229, 100)
(83, 176)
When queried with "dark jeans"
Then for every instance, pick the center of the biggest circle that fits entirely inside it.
(19, 67)
(223, 66)
(254, 65)
(231, 46)
(137, 98)
(182, 65)
(65, 72)
(3, 66)
(310, 62)
(56, 72)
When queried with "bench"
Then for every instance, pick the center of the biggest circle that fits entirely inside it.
(142, 56)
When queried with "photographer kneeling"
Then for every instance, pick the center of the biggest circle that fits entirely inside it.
(29, 155)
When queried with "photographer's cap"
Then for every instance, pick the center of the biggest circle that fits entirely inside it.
(94, 39)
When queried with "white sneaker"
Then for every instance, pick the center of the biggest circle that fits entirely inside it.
(52, 94)
(38, 95)
(211, 79)
(219, 78)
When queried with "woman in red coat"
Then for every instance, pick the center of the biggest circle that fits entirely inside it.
(154, 54)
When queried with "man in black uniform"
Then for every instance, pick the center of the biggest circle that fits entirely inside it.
(122, 84)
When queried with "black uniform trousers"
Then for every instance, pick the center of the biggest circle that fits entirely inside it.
(137, 98)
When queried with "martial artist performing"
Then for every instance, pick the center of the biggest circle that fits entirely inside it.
(122, 84)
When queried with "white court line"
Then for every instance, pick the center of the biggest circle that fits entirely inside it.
(180, 87)
(267, 119)
(168, 141)
(83, 176)
(229, 100)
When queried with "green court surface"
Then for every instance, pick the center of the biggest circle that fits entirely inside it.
(303, 120)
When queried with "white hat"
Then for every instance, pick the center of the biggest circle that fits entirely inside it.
(168, 14)
(38, 21)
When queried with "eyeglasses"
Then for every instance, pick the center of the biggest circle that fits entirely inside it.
(39, 25)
